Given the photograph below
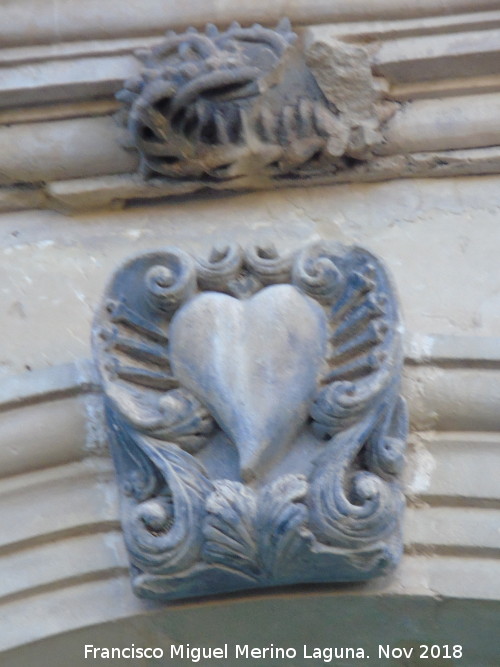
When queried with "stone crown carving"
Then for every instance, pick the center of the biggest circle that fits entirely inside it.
(254, 415)
(240, 108)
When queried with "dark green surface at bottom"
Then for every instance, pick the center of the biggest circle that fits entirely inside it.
(320, 619)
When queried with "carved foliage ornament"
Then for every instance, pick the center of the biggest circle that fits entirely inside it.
(238, 108)
(254, 415)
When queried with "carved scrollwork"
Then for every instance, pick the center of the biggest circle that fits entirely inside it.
(233, 108)
(222, 266)
(255, 417)
(264, 261)
(316, 273)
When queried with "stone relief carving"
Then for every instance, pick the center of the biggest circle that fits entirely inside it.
(241, 108)
(254, 415)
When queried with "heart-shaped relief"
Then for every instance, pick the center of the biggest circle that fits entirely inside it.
(254, 363)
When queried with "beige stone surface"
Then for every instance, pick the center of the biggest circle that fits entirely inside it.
(63, 79)
(409, 59)
(29, 22)
(444, 124)
(454, 398)
(383, 28)
(37, 436)
(454, 468)
(40, 152)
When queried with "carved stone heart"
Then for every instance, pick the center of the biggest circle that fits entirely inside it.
(254, 363)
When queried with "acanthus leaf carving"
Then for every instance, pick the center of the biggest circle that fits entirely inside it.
(229, 528)
(255, 416)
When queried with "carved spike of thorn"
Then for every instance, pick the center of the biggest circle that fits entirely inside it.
(289, 123)
(191, 122)
(168, 72)
(126, 96)
(235, 26)
(211, 30)
(370, 336)
(360, 315)
(145, 378)
(233, 123)
(364, 280)
(323, 120)
(134, 84)
(145, 170)
(266, 122)
(369, 271)
(146, 352)
(220, 129)
(110, 369)
(202, 112)
(356, 289)
(111, 306)
(121, 314)
(105, 334)
(284, 25)
(192, 30)
(188, 70)
(305, 111)
(184, 49)
(142, 54)
(150, 74)
(266, 250)
(218, 253)
(381, 328)
(357, 368)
